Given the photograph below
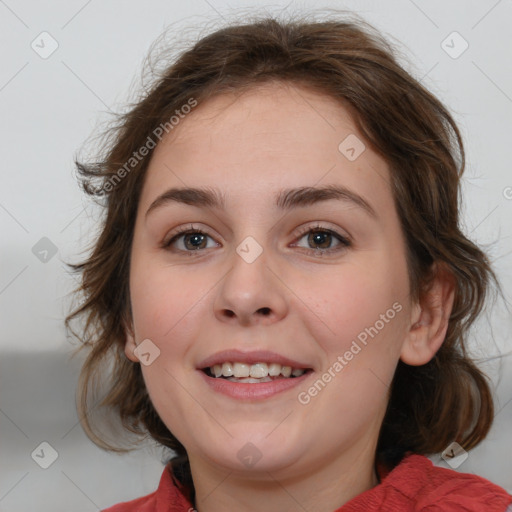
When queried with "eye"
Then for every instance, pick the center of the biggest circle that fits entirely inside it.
(188, 240)
(321, 240)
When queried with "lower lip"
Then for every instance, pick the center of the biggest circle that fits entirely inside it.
(246, 391)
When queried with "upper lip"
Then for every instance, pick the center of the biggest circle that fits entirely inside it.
(252, 357)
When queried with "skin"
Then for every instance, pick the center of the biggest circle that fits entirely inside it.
(314, 456)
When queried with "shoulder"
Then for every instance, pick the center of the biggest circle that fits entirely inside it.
(168, 497)
(144, 504)
(416, 485)
(436, 489)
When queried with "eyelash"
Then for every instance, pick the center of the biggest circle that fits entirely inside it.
(190, 230)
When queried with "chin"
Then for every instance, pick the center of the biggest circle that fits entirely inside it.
(241, 455)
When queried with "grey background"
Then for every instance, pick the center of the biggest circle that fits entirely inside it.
(51, 106)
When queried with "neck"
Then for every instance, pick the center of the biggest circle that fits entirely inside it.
(321, 487)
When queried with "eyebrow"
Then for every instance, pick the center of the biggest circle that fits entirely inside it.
(287, 199)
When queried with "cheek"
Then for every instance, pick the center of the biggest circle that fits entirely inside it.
(353, 301)
(165, 299)
(166, 306)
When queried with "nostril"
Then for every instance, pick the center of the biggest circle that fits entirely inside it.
(265, 311)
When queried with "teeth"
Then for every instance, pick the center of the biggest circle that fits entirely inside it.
(241, 370)
(227, 369)
(286, 371)
(274, 369)
(258, 372)
(250, 380)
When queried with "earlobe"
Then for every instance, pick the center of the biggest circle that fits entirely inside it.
(429, 321)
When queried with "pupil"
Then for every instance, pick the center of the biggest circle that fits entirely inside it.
(319, 238)
(196, 237)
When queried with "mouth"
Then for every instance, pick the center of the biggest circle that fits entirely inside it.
(252, 376)
(255, 373)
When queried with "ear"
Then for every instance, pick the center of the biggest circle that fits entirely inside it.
(429, 319)
(130, 345)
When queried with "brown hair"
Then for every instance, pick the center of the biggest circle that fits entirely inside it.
(430, 406)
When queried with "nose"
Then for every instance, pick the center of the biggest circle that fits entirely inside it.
(251, 293)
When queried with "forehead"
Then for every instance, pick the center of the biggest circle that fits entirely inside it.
(265, 139)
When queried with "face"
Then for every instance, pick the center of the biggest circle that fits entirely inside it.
(308, 280)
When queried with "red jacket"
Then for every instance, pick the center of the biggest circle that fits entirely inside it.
(415, 485)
